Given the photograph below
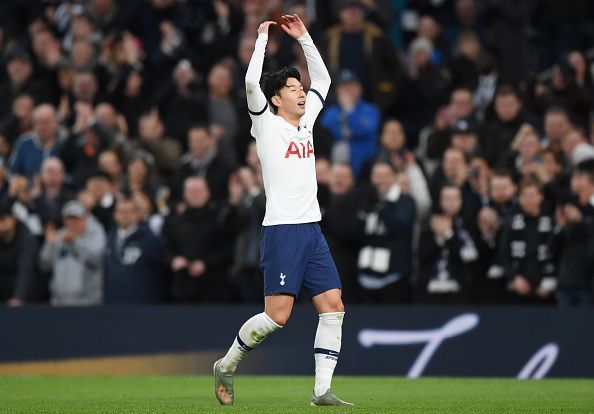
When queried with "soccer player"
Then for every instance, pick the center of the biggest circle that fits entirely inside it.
(294, 253)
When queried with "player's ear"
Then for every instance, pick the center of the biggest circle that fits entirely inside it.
(276, 100)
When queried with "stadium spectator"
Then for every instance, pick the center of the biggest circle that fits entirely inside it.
(449, 253)
(341, 227)
(33, 147)
(20, 81)
(75, 255)
(198, 245)
(204, 160)
(362, 47)
(53, 193)
(18, 259)
(527, 243)
(576, 220)
(385, 259)
(134, 259)
(99, 197)
(18, 122)
(139, 174)
(556, 124)
(353, 121)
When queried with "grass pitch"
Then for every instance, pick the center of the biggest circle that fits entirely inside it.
(262, 395)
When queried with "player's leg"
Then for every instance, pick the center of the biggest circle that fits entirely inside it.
(322, 282)
(283, 270)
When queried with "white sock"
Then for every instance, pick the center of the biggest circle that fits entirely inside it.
(251, 334)
(327, 349)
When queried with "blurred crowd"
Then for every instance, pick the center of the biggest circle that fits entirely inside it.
(454, 157)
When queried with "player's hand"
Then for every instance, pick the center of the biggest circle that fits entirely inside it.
(293, 26)
(263, 28)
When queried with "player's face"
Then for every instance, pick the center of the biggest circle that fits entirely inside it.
(292, 98)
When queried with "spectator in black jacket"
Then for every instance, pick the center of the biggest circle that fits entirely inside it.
(134, 259)
(18, 259)
(385, 259)
(576, 267)
(449, 253)
(199, 245)
(527, 244)
(341, 227)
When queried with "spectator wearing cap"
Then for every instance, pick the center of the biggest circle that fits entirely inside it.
(32, 148)
(465, 137)
(18, 259)
(75, 255)
(363, 48)
(134, 259)
(20, 81)
(354, 122)
(204, 160)
(576, 219)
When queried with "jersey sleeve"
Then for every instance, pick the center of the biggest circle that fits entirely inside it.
(256, 101)
(320, 78)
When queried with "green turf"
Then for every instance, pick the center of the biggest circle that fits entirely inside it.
(277, 395)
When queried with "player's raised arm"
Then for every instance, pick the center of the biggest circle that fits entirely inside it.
(255, 98)
(320, 78)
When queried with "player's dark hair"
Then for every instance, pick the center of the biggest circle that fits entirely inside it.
(272, 83)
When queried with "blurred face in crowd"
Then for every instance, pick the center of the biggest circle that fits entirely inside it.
(246, 49)
(461, 104)
(502, 190)
(7, 227)
(134, 84)
(200, 142)
(322, 170)
(162, 4)
(529, 145)
(465, 11)
(102, 7)
(196, 192)
(107, 115)
(110, 163)
(454, 164)
(383, 177)
(220, 81)
(137, 170)
(43, 42)
(143, 204)
(76, 225)
(52, 173)
(19, 71)
(393, 137)
(555, 125)
(551, 163)
(82, 53)
(82, 28)
(428, 28)
(349, 91)
(469, 46)
(507, 106)
(465, 141)
(184, 74)
(126, 214)
(341, 178)
(578, 63)
(570, 140)
(98, 187)
(450, 200)
(352, 17)
(582, 184)
(85, 86)
(45, 123)
(23, 107)
(530, 199)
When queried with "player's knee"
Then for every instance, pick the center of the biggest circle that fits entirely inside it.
(337, 306)
(280, 318)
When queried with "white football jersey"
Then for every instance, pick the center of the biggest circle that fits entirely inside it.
(287, 152)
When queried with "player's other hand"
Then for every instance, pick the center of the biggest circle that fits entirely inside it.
(263, 28)
(293, 25)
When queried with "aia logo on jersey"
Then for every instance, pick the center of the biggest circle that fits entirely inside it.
(300, 150)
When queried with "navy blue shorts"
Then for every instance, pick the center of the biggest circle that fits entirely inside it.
(296, 257)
